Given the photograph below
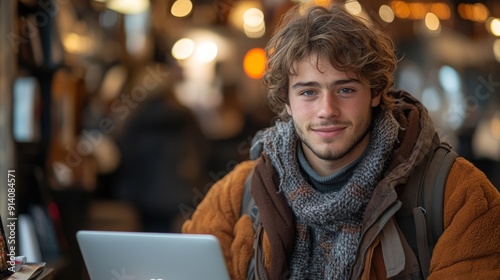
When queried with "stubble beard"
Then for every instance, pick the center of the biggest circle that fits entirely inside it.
(329, 154)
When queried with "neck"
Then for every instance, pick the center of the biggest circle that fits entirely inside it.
(332, 182)
(326, 167)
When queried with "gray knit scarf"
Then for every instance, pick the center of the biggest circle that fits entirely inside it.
(328, 225)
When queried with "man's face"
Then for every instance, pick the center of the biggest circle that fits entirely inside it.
(331, 112)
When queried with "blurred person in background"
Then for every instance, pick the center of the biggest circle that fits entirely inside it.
(162, 153)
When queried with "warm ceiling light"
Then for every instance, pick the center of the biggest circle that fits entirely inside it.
(496, 49)
(206, 51)
(181, 8)
(432, 22)
(237, 13)
(253, 17)
(353, 7)
(255, 32)
(324, 3)
(254, 63)
(441, 10)
(495, 27)
(183, 49)
(253, 23)
(386, 14)
(401, 9)
(258, 28)
(417, 10)
(465, 11)
(487, 24)
(128, 6)
(480, 12)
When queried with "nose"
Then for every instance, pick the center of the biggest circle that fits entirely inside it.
(328, 106)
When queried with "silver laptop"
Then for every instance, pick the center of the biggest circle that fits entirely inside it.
(112, 255)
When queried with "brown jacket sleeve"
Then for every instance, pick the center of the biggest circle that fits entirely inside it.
(469, 248)
(219, 214)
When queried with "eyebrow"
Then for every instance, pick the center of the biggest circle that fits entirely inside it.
(316, 84)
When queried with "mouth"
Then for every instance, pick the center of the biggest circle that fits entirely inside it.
(328, 132)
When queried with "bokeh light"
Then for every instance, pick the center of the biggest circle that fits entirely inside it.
(386, 14)
(496, 49)
(432, 22)
(206, 51)
(254, 63)
(128, 6)
(353, 7)
(495, 27)
(181, 8)
(183, 48)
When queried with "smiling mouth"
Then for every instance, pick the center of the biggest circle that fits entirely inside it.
(328, 132)
(329, 129)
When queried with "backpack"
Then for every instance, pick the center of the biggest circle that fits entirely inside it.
(421, 197)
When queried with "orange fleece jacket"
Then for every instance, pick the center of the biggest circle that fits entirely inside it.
(468, 249)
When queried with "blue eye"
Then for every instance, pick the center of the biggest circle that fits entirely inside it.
(307, 93)
(345, 90)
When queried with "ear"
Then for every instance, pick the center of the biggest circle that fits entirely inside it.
(288, 109)
(376, 99)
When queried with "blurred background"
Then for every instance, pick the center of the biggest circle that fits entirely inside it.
(121, 114)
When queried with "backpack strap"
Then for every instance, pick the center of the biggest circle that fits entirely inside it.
(435, 182)
(247, 202)
(249, 207)
(423, 198)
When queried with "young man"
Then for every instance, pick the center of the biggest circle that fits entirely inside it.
(327, 181)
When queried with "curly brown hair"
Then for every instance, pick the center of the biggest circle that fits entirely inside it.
(350, 43)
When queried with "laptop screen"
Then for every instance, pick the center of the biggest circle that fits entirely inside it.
(136, 255)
